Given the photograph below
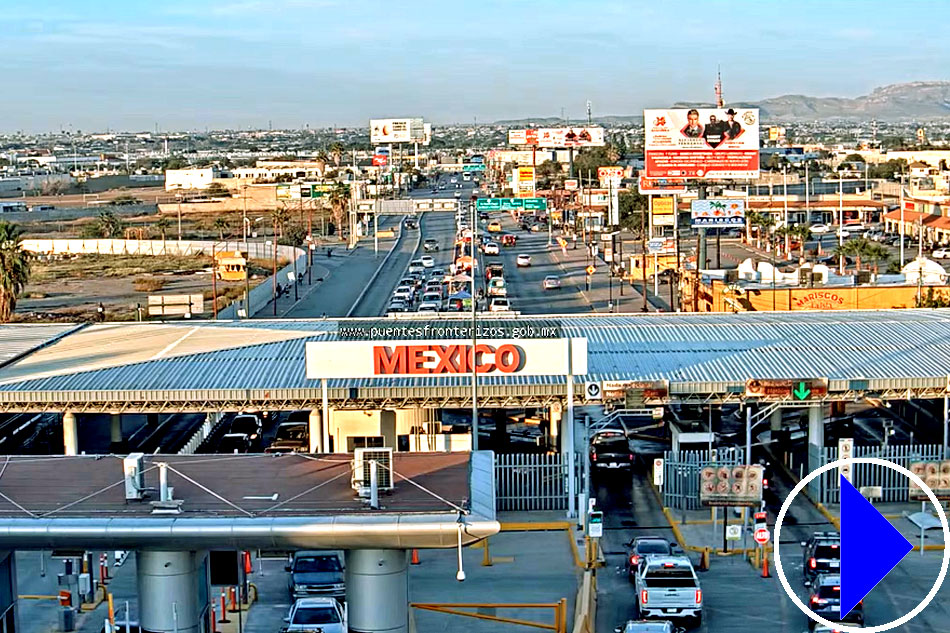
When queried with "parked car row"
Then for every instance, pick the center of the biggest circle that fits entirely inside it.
(245, 434)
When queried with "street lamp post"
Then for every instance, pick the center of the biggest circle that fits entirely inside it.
(785, 203)
(474, 335)
(840, 222)
(178, 197)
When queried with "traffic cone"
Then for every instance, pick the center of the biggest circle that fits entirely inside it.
(415, 557)
(247, 563)
(765, 563)
(232, 598)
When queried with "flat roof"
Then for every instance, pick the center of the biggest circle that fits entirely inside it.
(201, 366)
(216, 486)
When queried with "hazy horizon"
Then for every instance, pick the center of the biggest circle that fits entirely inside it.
(241, 64)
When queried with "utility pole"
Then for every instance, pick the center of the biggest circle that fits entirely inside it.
(643, 259)
(274, 277)
(474, 333)
(840, 222)
(785, 204)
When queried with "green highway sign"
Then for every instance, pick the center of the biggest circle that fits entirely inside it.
(473, 167)
(510, 204)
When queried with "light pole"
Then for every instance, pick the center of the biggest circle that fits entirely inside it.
(840, 222)
(178, 197)
(901, 227)
(785, 203)
(474, 357)
(245, 216)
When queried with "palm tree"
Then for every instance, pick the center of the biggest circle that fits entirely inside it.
(339, 197)
(14, 268)
(751, 219)
(281, 216)
(221, 225)
(336, 151)
(876, 253)
(764, 224)
(801, 232)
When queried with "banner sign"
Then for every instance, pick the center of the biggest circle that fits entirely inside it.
(396, 131)
(702, 143)
(558, 137)
(718, 212)
(511, 204)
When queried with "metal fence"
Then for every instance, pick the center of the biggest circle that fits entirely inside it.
(681, 474)
(525, 481)
(895, 486)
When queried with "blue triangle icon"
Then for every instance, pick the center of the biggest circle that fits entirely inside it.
(870, 547)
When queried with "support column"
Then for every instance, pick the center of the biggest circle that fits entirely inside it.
(70, 434)
(775, 420)
(377, 590)
(816, 442)
(554, 425)
(315, 432)
(115, 429)
(168, 587)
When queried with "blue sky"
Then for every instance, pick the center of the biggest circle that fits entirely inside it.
(130, 64)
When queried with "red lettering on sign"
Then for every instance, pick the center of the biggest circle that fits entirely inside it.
(388, 361)
(507, 358)
(447, 359)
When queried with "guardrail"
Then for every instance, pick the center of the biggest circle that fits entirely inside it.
(201, 433)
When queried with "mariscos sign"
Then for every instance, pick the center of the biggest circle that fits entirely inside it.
(417, 358)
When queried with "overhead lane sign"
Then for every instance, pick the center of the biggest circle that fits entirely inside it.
(511, 204)
(782, 389)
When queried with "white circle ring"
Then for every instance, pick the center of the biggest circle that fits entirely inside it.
(943, 566)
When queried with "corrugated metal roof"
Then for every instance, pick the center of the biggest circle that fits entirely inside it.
(681, 348)
(19, 339)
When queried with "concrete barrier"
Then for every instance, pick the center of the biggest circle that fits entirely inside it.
(585, 604)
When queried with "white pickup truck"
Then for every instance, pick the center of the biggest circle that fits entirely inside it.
(667, 588)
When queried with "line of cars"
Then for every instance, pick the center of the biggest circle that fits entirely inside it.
(423, 289)
(317, 588)
(245, 433)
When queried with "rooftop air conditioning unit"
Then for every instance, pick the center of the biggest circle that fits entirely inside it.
(133, 467)
(361, 468)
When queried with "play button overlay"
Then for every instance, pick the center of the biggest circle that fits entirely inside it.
(870, 546)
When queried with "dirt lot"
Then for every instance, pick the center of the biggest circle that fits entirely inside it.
(69, 289)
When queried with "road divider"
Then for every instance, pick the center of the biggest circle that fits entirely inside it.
(379, 268)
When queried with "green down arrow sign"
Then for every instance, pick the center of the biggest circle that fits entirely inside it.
(801, 392)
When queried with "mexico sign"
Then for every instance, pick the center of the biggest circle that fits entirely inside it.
(436, 357)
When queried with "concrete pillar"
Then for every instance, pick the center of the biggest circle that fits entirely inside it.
(775, 420)
(70, 434)
(377, 590)
(387, 427)
(816, 442)
(168, 587)
(315, 432)
(115, 429)
(8, 588)
(554, 425)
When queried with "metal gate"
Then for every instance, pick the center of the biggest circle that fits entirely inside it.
(681, 474)
(895, 485)
(525, 481)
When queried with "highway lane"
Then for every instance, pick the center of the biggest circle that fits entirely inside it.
(524, 284)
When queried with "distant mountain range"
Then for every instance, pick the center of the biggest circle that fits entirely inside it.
(916, 100)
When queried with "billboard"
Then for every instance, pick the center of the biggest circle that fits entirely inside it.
(558, 137)
(702, 143)
(718, 212)
(608, 175)
(730, 485)
(523, 182)
(396, 131)
(444, 357)
(660, 186)
(663, 206)
(935, 474)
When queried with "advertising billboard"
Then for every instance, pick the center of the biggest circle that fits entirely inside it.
(660, 186)
(717, 212)
(558, 137)
(524, 182)
(444, 357)
(610, 176)
(703, 143)
(396, 130)
(936, 474)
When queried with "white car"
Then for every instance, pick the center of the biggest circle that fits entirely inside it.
(941, 253)
(416, 266)
(427, 261)
(316, 614)
(429, 306)
(551, 282)
(499, 304)
(819, 229)
(523, 260)
(490, 249)
(397, 306)
(432, 297)
(404, 294)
